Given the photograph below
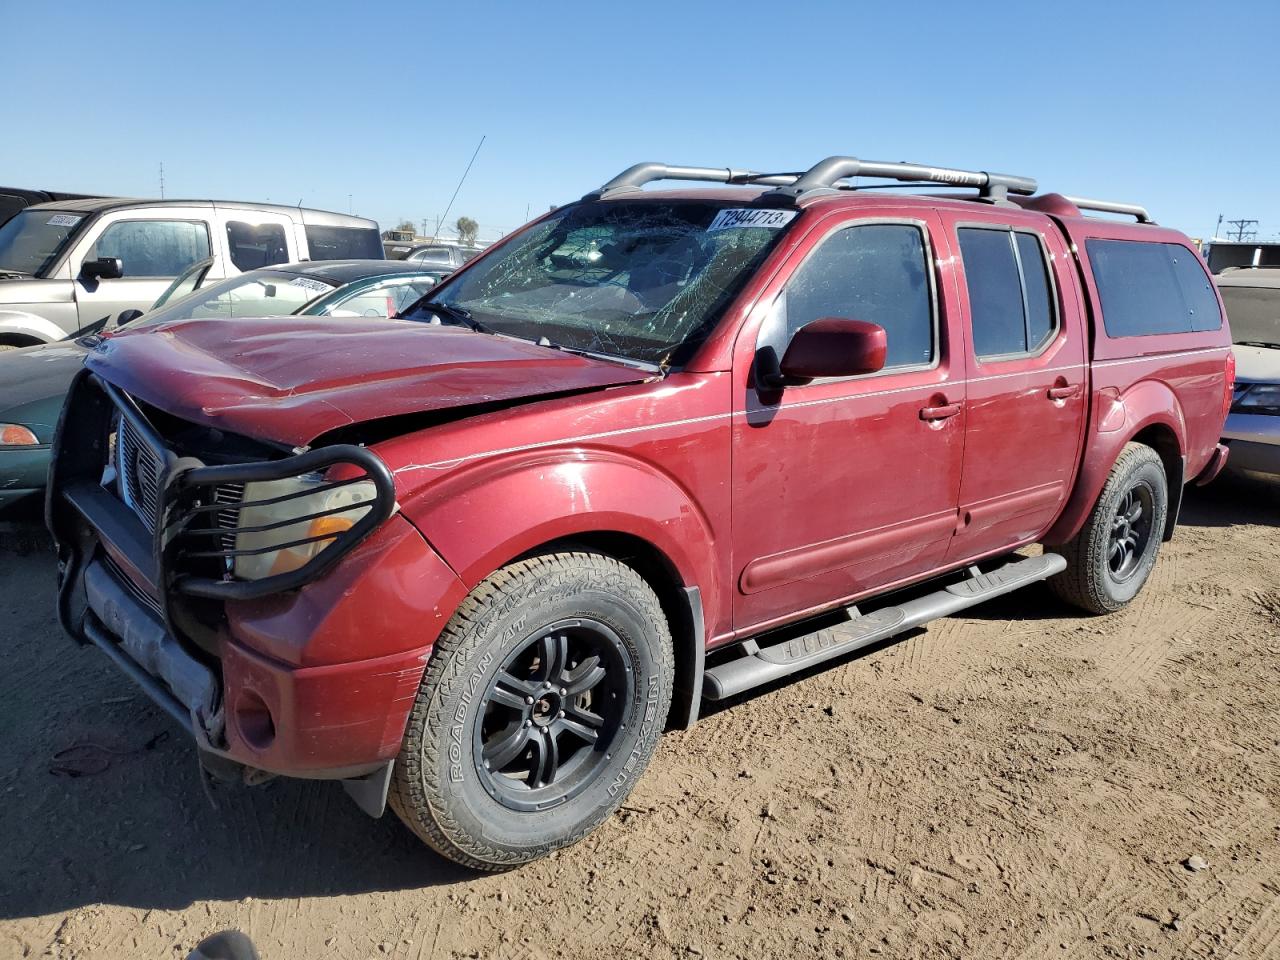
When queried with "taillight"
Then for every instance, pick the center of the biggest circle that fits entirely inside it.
(1229, 387)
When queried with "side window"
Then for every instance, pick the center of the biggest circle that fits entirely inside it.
(254, 246)
(1010, 297)
(875, 272)
(153, 248)
(344, 243)
(1151, 288)
(381, 300)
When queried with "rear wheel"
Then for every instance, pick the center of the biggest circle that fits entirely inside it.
(539, 709)
(1113, 555)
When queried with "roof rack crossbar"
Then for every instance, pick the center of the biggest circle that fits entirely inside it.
(1108, 206)
(824, 176)
(635, 177)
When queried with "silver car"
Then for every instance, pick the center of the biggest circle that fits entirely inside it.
(1252, 299)
(72, 264)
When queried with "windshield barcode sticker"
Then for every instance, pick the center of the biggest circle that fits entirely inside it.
(315, 286)
(735, 219)
(63, 220)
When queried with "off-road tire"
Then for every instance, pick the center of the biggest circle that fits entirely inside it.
(1088, 581)
(437, 788)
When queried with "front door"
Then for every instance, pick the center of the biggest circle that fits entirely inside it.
(842, 486)
(153, 251)
(1027, 378)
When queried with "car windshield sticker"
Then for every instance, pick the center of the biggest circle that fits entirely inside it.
(768, 219)
(315, 286)
(63, 220)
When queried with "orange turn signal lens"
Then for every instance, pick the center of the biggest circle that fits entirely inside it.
(292, 558)
(16, 435)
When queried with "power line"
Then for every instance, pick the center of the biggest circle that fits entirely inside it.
(443, 216)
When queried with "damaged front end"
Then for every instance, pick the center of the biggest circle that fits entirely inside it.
(160, 523)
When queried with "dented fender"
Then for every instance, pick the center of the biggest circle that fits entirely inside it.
(482, 517)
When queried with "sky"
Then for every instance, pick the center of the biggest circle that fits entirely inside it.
(378, 107)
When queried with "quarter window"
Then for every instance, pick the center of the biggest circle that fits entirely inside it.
(1151, 288)
(256, 245)
(875, 272)
(153, 248)
(1010, 297)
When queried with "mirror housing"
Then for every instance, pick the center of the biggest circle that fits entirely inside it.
(104, 268)
(832, 347)
(128, 316)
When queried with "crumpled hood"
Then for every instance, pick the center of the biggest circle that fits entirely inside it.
(291, 379)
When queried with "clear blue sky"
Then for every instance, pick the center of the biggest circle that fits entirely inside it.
(1169, 104)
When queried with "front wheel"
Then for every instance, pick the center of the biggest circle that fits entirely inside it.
(540, 707)
(1113, 554)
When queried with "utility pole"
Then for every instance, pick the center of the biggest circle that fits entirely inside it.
(425, 221)
(161, 179)
(1242, 231)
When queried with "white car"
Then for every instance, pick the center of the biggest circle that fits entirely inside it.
(1252, 299)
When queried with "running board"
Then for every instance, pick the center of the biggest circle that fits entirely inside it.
(764, 665)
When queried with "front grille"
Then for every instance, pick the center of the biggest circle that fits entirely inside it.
(135, 591)
(140, 473)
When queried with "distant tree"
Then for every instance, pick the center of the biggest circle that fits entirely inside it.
(467, 230)
(406, 225)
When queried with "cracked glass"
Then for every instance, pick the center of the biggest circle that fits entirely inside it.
(642, 280)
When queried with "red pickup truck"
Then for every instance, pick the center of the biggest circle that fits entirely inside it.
(657, 446)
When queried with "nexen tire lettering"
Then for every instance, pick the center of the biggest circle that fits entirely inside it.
(646, 726)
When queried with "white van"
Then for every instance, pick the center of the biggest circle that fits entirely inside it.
(68, 264)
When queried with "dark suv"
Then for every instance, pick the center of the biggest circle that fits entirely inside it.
(655, 447)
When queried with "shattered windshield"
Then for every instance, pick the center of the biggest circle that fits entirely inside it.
(639, 279)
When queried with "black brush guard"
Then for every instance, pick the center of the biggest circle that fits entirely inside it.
(184, 541)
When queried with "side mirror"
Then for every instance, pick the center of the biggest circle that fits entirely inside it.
(832, 347)
(104, 268)
(128, 317)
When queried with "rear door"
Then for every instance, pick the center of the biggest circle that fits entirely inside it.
(844, 485)
(1027, 378)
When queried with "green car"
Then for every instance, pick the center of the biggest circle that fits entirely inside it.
(34, 380)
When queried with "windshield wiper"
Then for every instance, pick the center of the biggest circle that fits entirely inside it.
(458, 315)
(1257, 343)
(598, 355)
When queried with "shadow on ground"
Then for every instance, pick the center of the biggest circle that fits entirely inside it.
(1232, 501)
(136, 827)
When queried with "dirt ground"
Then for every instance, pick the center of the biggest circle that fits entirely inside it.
(1022, 782)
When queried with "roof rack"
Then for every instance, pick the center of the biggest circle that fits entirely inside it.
(1108, 206)
(635, 177)
(821, 178)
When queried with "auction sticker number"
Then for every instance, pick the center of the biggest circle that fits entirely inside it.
(736, 219)
(62, 220)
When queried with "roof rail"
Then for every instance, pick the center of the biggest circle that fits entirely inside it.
(1107, 206)
(635, 177)
(823, 177)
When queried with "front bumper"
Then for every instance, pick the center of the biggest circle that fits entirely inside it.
(314, 680)
(1254, 440)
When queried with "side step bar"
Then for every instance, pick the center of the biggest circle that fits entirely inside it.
(761, 665)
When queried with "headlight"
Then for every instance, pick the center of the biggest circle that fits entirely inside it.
(16, 435)
(290, 521)
(1257, 395)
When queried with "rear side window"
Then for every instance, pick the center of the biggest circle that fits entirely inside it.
(878, 273)
(344, 243)
(256, 245)
(1010, 297)
(1151, 288)
(153, 248)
